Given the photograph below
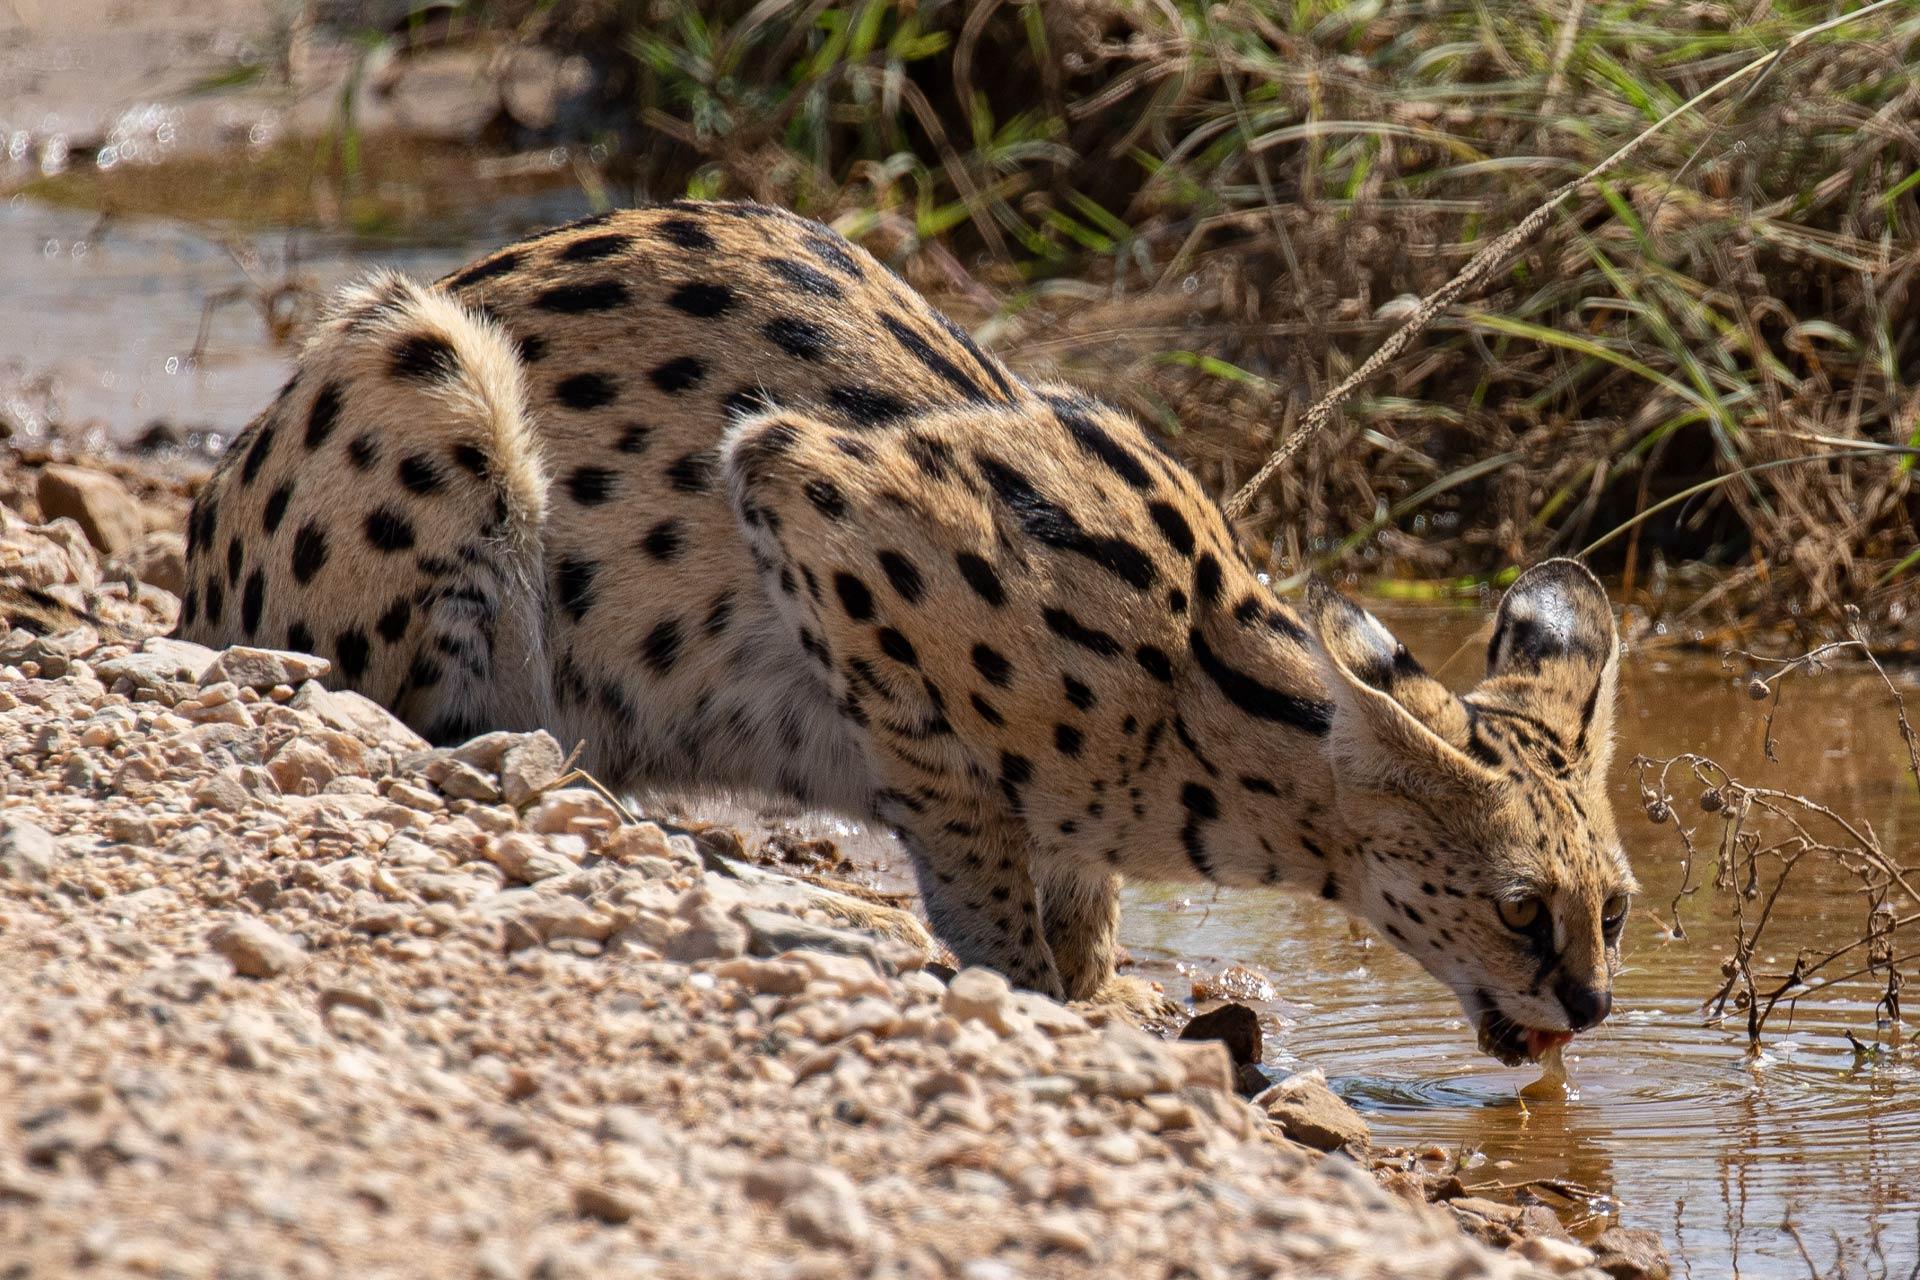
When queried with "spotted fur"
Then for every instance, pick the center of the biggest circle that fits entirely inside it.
(710, 488)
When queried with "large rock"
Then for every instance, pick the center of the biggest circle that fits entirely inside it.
(94, 500)
(1313, 1115)
(252, 668)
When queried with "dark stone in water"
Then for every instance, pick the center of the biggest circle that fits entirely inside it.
(1233, 1025)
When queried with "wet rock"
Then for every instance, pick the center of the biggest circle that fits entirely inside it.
(257, 949)
(1238, 1028)
(27, 852)
(1313, 1115)
(94, 500)
(1631, 1253)
(262, 669)
(818, 1202)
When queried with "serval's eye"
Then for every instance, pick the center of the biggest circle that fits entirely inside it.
(1613, 917)
(1522, 915)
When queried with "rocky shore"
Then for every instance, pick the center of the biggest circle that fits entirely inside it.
(290, 993)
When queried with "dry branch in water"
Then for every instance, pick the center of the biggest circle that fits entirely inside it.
(1765, 836)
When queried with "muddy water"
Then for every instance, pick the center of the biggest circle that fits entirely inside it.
(1676, 1126)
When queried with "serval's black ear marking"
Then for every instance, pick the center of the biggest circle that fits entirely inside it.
(1393, 723)
(1555, 655)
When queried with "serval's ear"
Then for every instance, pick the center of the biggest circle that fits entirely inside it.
(1555, 656)
(1394, 725)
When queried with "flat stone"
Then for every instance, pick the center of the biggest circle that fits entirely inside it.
(1312, 1114)
(355, 713)
(256, 949)
(772, 933)
(94, 500)
(262, 669)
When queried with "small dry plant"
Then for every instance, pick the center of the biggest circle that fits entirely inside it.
(1762, 844)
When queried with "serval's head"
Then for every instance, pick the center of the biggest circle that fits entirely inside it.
(1483, 840)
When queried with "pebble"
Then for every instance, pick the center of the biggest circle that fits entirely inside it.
(1306, 1110)
(27, 852)
(708, 931)
(982, 995)
(818, 1202)
(530, 766)
(256, 949)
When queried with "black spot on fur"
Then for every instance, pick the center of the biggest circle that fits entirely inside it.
(1070, 628)
(532, 348)
(992, 664)
(1202, 807)
(256, 453)
(833, 251)
(897, 647)
(747, 401)
(486, 269)
(363, 452)
(393, 623)
(420, 474)
(1079, 694)
(309, 552)
(424, 357)
(1103, 448)
(252, 602)
(826, 498)
(661, 649)
(1154, 662)
(1050, 523)
(299, 639)
(854, 596)
(1067, 740)
(576, 299)
(703, 299)
(985, 710)
(584, 391)
(1173, 526)
(867, 406)
(719, 614)
(216, 602)
(981, 577)
(987, 363)
(802, 339)
(592, 248)
(573, 584)
(388, 530)
(350, 649)
(903, 575)
(1309, 715)
(665, 541)
(590, 486)
(686, 233)
(807, 279)
(920, 349)
(234, 558)
(692, 473)
(1206, 581)
(323, 414)
(680, 374)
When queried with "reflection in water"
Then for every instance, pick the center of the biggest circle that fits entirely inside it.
(1675, 1126)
